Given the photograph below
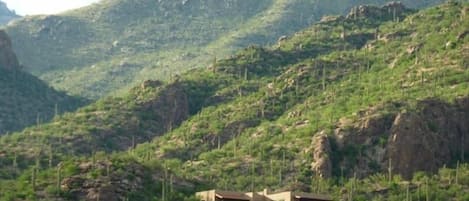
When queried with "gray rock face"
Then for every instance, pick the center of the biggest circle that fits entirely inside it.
(8, 58)
(429, 139)
(425, 139)
(322, 164)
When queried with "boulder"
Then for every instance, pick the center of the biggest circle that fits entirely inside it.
(151, 84)
(462, 35)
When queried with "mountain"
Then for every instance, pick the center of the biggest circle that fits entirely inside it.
(6, 15)
(372, 105)
(116, 44)
(26, 100)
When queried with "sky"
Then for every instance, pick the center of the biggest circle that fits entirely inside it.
(33, 7)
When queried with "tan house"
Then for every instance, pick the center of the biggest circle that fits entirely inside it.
(218, 195)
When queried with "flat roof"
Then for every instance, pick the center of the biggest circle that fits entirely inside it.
(311, 196)
(231, 195)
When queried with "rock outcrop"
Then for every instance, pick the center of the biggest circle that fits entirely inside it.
(322, 164)
(390, 11)
(115, 182)
(151, 84)
(362, 144)
(109, 186)
(151, 117)
(434, 134)
(172, 106)
(428, 139)
(8, 59)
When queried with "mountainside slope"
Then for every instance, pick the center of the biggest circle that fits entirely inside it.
(386, 99)
(124, 42)
(26, 100)
(331, 109)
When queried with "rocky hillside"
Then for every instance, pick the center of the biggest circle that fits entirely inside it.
(26, 100)
(372, 105)
(6, 15)
(117, 44)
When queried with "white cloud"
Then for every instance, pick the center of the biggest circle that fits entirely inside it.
(31, 7)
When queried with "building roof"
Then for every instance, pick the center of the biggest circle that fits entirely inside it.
(311, 196)
(265, 195)
(231, 195)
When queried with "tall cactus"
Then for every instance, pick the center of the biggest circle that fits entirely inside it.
(15, 162)
(50, 156)
(59, 178)
(390, 171)
(33, 179)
